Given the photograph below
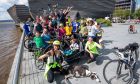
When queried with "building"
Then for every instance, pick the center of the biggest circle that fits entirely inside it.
(86, 8)
(19, 13)
(126, 5)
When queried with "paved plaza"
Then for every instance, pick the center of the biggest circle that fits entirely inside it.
(115, 36)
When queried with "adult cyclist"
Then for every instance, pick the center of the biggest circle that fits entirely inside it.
(91, 48)
(54, 60)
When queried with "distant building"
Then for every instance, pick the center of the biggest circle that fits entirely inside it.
(19, 13)
(126, 5)
(86, 8)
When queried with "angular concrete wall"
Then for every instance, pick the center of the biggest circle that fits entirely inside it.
(90, 8)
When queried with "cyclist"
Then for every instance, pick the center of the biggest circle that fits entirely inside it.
(26, 29)
(132, 28)
(38, 28)
(74, 46)
(46, 37)
(54, 60)
(61, 31)
(74, 26)
(68, 29)
(91, 30)
(99, 33)
(83, 29)
(38, 40)
(91, 48)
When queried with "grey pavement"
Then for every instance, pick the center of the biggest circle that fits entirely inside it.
(115, 36)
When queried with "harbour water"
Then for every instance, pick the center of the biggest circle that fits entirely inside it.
(9, 39)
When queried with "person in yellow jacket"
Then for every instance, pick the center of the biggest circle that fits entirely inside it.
(54, 60)
(68, 29)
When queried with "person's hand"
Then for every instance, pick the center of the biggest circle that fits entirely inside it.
(41, 58)
(100, 41)
(91, 55)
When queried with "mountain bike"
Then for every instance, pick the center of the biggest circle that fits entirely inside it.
(123, 68)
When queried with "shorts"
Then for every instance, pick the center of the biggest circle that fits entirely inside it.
(95, 56)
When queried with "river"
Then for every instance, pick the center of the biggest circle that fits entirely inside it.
(9, 39)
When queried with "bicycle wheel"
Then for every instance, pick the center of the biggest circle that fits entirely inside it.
(49, 47)
(39, 64)
(134, 59)
(115, 72)
(26, 42)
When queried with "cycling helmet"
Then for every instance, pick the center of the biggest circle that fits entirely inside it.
(56, 42)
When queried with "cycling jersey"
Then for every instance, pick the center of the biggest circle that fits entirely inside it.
(46, 37)
(83, 30)
(61, 32)
(75, 26)
(26, 29)
(74, 46)
(39, 42)
(68, 30)
(91, 30)
(92, 47)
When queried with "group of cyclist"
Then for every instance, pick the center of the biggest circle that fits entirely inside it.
(60, 26)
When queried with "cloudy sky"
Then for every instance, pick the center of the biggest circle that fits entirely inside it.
(5, 4)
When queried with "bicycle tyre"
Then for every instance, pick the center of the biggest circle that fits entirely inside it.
(105, 67)
(39, 64)
(26, 40)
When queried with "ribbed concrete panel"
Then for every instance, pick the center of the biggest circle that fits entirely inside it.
(19, 13)
(90, 8)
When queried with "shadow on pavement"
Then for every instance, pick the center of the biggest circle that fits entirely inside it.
(107, 42)
(101, 59)
(136, 74)
(103, 56)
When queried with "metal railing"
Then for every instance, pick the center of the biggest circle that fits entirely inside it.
(15, 70)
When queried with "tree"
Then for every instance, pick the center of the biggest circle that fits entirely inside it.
(126, 14)
(118, 12)
(137, 13)
(122, 13)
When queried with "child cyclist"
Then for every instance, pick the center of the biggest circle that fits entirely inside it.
(39, 40)
(91, 48)
(46, 37)
(74, 49)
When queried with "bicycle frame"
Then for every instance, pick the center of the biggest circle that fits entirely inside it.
(125, 60)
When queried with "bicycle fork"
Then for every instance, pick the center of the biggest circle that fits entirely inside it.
(119, 67)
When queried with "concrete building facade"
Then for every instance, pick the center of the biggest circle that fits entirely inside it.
(126, 5)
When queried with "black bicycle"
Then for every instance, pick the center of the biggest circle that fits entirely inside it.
(38, 52)
(123, 68)
(28, 42)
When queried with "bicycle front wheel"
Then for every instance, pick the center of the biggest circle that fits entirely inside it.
(117, 72)
(26, 42)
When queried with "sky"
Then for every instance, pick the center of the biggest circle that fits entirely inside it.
(5, 4)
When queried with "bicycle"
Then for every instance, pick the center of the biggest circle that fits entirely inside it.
(132, 31)
(28, 42)
(38, 52)
(126, 64)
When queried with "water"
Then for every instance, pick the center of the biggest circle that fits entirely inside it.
(9, 39)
